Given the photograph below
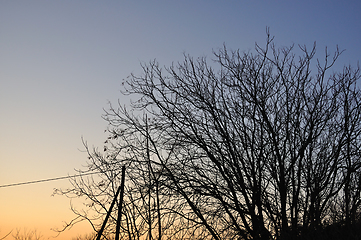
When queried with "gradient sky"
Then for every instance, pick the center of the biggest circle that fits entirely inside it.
(62, 61)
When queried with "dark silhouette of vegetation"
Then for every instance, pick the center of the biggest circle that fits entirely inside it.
(262, 145)
(27, 235)
(91, 236)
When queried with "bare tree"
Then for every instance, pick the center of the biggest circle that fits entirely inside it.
(262, 145)
(91, 236)
(27, 235)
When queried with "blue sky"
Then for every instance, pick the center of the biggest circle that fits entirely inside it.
(62, 61)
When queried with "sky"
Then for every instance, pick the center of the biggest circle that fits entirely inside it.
(62, 62)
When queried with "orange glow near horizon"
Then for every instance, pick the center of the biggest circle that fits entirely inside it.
(21, 209)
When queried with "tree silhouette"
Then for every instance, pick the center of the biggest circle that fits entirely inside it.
(262, 145)
(27, 235)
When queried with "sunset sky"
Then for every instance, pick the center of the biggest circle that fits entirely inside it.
(61, 62)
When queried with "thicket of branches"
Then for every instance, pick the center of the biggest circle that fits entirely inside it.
(266, 146)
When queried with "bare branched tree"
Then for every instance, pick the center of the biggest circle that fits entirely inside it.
(27, 235)
(90, 236)
(262, 145)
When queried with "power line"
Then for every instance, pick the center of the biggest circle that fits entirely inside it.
(45, 180)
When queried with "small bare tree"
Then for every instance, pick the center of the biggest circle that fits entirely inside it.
(27, 235)
(91, 236)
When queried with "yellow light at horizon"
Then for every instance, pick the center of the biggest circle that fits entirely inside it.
(32, 207)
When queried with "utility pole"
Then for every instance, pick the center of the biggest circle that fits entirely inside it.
(120, 189)
(120, 206)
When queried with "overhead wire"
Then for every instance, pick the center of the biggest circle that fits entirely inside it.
(46, 180)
